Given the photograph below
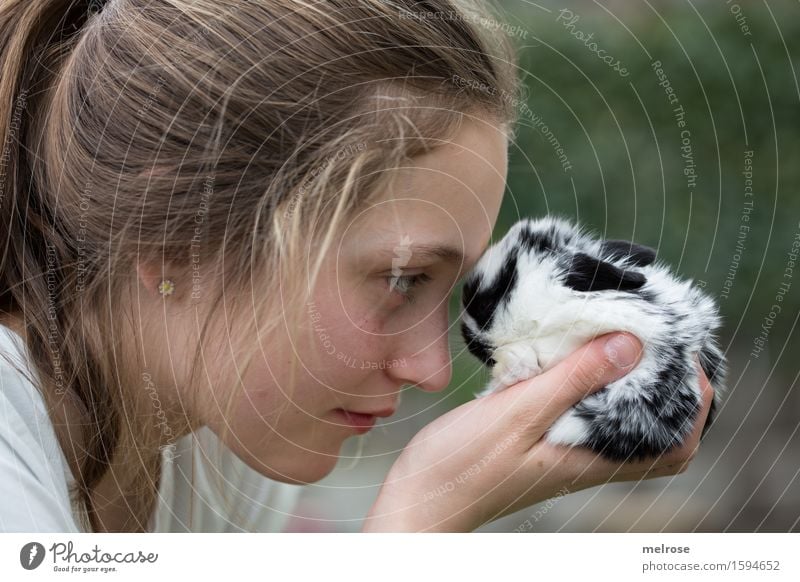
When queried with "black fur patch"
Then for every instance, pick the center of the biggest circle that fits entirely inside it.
(478, 349)
(483, 304)
(586, 273)
(624, 249)
(541, 242)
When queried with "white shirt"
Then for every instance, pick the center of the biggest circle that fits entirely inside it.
(34, 475)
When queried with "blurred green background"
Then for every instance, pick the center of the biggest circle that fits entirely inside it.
(734, 70)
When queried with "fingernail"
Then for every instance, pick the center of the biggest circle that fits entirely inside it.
(621, 350)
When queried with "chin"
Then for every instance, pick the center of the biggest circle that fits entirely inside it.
(297, 466)
(307, 469)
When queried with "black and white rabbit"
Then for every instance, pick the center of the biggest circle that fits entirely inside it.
(548, 287)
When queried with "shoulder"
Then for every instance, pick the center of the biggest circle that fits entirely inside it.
(33, 483)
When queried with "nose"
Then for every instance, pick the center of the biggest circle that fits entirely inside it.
(424, 353)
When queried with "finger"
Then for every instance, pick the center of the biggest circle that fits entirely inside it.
(706, 391)
(591, 367)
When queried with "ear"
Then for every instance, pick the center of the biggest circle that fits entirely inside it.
(149, 276)
(587, 273)
(621, 249)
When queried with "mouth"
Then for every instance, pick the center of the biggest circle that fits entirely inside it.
(361, 422)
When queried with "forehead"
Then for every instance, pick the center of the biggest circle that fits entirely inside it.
(445, 204)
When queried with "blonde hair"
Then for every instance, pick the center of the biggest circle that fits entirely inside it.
(125, 129)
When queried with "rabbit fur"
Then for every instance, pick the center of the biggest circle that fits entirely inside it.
(548, 287)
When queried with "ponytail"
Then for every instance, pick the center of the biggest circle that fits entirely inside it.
(35, 35)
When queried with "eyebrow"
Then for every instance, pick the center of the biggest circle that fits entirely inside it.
(444, 252)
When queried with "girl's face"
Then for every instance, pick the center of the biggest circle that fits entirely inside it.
(379, 315)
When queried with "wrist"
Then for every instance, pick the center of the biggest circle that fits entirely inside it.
(404, 511)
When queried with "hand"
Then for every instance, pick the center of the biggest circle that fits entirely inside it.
(488, 458)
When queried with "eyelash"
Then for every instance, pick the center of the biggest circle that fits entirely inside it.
(412, 282)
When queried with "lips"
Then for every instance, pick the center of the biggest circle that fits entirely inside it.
(362, 421)
(382, 413)
(359, 422)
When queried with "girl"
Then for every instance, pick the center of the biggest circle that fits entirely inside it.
(230, 229)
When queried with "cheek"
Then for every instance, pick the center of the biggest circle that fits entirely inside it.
(342, 339)
(272, 388)
(356, 352)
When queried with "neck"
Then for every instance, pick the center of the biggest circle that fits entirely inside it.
(121, 501)
(124, 508)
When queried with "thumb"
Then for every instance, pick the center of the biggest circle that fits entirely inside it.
(590, 368)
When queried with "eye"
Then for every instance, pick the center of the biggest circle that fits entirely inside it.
(405, 284)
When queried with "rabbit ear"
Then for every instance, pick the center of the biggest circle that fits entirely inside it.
(621, 249)
(587, 273)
